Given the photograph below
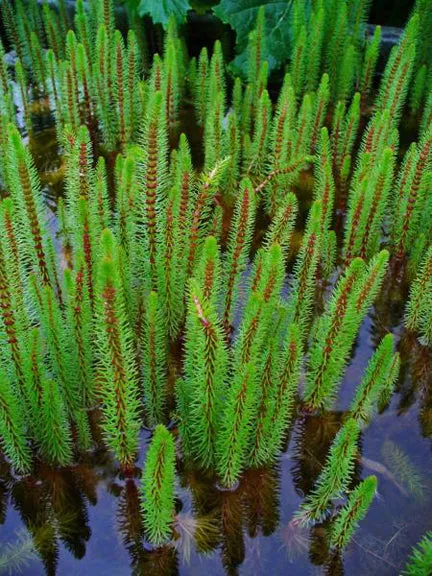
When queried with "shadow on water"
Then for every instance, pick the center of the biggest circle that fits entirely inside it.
(86, 519)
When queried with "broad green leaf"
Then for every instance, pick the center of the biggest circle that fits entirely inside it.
(241, 15)
(160, 11)
(203, 6)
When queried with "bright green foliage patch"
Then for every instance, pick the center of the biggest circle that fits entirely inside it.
(158, 486)
(214, 280)
(161, 12)
(355, 510)
(377, 381)
(420, 563)
(335, 476)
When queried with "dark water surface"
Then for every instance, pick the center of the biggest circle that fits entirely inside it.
(86, 519)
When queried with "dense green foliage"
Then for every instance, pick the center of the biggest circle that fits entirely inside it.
(175, 291)
(158, 486)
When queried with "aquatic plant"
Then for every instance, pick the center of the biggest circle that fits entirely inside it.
(18, 555)
(295, 540)
(158, 487)
(367, 205)
(236, 424)
(185, 281)
(397, 74)
(192, 531)
(12, 427)
(206, 364)
(420, 562)
(335, 476)
(418, 315)
(377, 382)
(154, 366)
(338, 326)
(369, 64)
(117, 367)
(56, 439)
(79, 318)
(403, 469)
(279, 378)
(303, 283)
(24, 188)
(410, 195)
(238, 248)
(353, 512)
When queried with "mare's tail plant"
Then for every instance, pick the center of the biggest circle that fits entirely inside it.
(420, 562)
(56, 440)
(279, 377)
(236, 425)
(117, 367)
(238, 249)
(335, 476)
(352, 513)
(13, 431)
(190, 282)
(158, 487)
(377, 382)
(338, 327)
(155, 362)
(206, 370)
(418, 316)
(300, 305)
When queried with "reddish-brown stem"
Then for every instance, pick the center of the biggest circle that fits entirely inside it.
(32, 216)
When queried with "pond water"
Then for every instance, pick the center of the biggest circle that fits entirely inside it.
(86, 519)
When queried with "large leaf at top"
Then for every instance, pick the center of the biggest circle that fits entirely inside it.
(203, 6)
(160, 11)
(241, 15)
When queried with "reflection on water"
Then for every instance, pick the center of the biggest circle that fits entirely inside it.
(86, 519)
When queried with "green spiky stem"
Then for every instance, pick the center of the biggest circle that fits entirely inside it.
(158, 487)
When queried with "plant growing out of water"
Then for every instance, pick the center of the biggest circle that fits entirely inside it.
(154, 344)
(24, 187)
(12, 427)
(279, 376)
(117, 366)
(303, 284)
(206, 364)
(411, 198)
(56, 440)
(338, 327)
(420, 562)
(236, 424)
(158, 487)
(377, 382)
(335, 476)
(418, 311)
(352, 513)
(182, 288)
